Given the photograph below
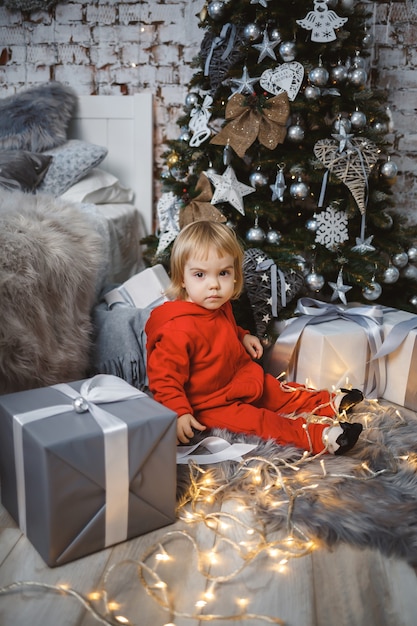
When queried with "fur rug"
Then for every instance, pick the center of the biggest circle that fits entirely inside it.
(49, 259)
(365, 498)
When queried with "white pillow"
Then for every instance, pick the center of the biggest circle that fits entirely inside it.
(99, 187)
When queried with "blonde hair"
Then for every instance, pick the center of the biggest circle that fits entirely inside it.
(196, 239)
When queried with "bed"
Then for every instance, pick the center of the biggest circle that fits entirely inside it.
(65, 159)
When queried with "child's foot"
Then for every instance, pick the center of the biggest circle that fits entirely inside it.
(341, 438)
(351, 399)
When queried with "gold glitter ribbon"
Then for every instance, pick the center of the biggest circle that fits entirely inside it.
(200, 207)
(247, 123)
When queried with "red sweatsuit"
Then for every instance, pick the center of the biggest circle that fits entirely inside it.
(197, 364)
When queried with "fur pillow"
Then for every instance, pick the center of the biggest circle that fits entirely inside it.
(36, 119)
(49, 260)
(22, 170)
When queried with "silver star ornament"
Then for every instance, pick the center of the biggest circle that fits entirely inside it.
(245, 83)
(339, 289)
(266, 48)
(229, 189)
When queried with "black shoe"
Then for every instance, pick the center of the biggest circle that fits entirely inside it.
(349, 436)
(352, 397)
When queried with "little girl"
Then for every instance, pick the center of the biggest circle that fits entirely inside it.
(200, 363)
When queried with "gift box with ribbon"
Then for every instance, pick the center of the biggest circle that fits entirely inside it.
(330, 346)
(147, 288)
(86, 465)
(400, 350)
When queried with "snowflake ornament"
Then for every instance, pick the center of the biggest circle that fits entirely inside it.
(332, 227)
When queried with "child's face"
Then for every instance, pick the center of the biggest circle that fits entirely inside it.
(209, 281)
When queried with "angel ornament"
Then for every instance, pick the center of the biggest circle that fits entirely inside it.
(198, 123)
(322, 22)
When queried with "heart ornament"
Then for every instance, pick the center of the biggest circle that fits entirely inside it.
(352, 166)
(286, 77)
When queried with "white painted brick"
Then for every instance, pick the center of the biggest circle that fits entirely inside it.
(101, 14)
(80, 77)
(18, 54)
(68, 13)
(12, 35)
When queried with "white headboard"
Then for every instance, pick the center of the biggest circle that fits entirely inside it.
(124, 125)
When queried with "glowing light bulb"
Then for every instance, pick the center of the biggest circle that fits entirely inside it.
(113, 606)
(121, 619)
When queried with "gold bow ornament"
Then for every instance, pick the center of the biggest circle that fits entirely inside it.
(200, 207)
(247, 121)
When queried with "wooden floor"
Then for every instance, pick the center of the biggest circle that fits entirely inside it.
(189, 569)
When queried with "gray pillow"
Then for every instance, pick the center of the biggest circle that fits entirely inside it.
(70, 163)
(22, 170)
(37, 118)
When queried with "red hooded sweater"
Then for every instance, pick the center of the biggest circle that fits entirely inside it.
(197, 364)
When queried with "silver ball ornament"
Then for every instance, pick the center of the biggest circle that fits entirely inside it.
(312, 224)
(367, 40)
(251, 32)
(319, 76)
(191, 100)
(358, 120)
(347, 6)
(275, 35)
(255, 235)
(412, 254)
(409, 272)
(288, 51)
(314, 281)
(295, 133)
(185, 135)
(389, 170)
(299, 190)
(215, 9)
(358, 77)
(391, 275)
(372, 292)
(379, 127)
(273, 237)
(413, 301)
(400, 259)
(312, 93)
(338, 74)
(359, 61)
(257, 179)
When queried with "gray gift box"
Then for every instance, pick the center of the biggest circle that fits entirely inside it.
(69, 464)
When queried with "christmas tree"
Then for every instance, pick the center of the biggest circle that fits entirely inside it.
(285, 138)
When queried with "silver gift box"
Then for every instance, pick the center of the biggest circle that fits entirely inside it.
(65, 471)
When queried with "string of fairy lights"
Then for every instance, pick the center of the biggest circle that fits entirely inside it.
(226, 508)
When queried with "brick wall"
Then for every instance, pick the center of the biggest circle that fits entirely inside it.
(112, 47)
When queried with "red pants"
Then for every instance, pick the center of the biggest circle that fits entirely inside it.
(266, 417)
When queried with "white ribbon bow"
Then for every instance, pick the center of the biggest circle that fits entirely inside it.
(219, 450)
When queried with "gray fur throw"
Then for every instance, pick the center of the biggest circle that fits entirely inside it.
(37, 118)
(49, 259)
(367, 498)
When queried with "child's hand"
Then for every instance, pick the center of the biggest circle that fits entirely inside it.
(185, 425)
(253, 346)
